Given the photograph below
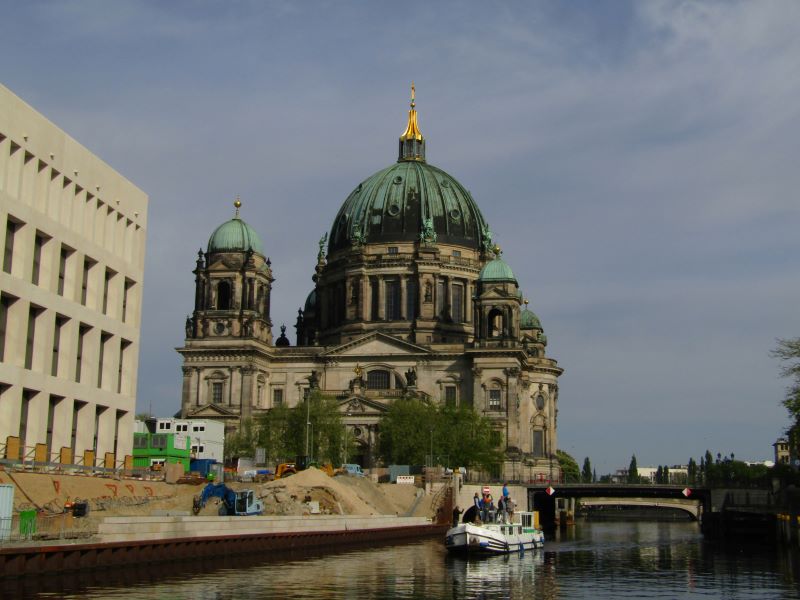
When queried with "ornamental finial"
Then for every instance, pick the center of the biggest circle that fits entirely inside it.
(412, 131)
(238, 204)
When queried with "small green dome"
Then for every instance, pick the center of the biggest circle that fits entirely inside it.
(497, 270)
(528, 320)
(235, 236)
(311, 303)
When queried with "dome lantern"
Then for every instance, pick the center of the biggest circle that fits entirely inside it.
(412, 143)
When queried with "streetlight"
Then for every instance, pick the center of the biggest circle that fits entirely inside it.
(308, 419)
(345, 440)
(311, 456)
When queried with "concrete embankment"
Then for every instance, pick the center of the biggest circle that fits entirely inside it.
(126, 540)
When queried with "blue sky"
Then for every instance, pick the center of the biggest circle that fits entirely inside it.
(637, 161)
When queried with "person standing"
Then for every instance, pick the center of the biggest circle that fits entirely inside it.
(456, 513)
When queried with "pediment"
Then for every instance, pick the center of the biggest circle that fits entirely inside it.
(497, 293)
(359, 405)
(376, 344)
(211, 411)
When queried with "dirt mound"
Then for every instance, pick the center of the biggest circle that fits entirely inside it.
(294, 495)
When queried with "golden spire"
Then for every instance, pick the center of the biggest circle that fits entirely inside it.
(237, 203)
(412, 131)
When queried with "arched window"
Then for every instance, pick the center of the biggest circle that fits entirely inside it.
(496, 324)
(223, 295)
(495, 400)
(378, 380)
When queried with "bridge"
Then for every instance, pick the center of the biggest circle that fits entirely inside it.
(552, 500)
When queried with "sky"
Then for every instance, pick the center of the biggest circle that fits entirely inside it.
(637, 162)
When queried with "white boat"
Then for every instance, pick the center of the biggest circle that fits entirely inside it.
(495, 538)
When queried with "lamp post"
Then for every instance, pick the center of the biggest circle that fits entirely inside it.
(309, 423)
(345, 440)
(308, 419)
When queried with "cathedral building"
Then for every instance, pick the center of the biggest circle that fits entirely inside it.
(411, 298)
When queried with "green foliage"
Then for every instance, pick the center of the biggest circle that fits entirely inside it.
(788, 352)
(633, 471)
(570, 471)
(692, 472)
(242, 442)
(283, 432)
(411, 430)
(586, 474)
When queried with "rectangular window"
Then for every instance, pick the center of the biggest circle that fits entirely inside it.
(82, 331)
(33, 314)
(62, 269)
(99, 410)
(104, 337)
(373, 284)
(120, 415)
(106, 282)
(8, 255)
(450, 395)
(392, 249)
(60, 322)
(27, 396)
(125, 292)
(411, 299)
(76, 411)
(5, 305)
(158, 441)
(51, 413)
(277, 397)
(140, 441)
(538, 442)
(458, 303)
(392, 300)
(440, 298)
(494, 399)
(38, 243)
(457, 253)
(216, 392)
(88, 263)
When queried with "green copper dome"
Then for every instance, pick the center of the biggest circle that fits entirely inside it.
(528, 320)
(497, 270)
(410, 201)
(394, 204)
(235, 236)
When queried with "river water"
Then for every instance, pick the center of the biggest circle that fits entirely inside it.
(592, 560)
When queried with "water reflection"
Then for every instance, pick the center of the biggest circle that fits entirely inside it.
(601, 560)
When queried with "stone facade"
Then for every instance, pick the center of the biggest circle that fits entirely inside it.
(73, 238)
(410, 298)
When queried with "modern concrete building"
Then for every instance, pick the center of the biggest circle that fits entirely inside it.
(73, 238)
(411, 298)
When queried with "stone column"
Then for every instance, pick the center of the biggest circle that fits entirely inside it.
(366, 298)
(381, 298)
(186, 390)
(467, 301)
(403, 296)
(247, 374)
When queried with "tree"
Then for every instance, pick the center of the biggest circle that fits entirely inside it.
(243, 441)
(569, 467)
(788, 352)
(665, 474)
(586, 474)
(691, 472)
(633, 471)
(412, 430)
(659, 475)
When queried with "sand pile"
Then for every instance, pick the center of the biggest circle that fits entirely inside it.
(294, 495)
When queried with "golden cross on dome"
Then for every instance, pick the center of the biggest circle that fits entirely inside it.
(413, 95)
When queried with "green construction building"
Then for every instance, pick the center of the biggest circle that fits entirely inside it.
(158, 449)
